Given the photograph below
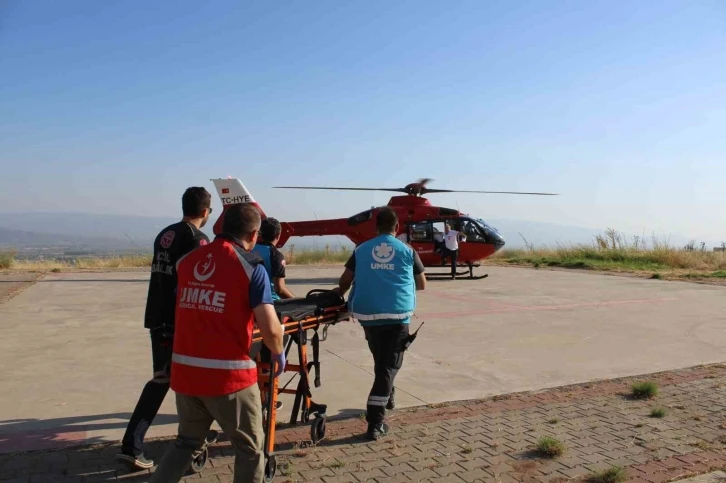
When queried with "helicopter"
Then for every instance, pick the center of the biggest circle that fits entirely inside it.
(422, 222)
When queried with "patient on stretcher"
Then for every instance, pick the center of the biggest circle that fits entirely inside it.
(313, 304)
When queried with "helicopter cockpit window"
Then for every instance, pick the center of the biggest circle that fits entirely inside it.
(360, 218)
(492, 234)
(473, 231)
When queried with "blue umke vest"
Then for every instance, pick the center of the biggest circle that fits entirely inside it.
(265, 252)
(384, 288)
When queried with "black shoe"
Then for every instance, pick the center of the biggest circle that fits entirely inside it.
(136, 462)
(377, 431)
(391, 401)
(212, 436)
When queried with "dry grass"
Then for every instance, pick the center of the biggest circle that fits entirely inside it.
(326, 256)
(610, 251)
(129, 261)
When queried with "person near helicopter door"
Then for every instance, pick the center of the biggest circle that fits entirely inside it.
(451, 247)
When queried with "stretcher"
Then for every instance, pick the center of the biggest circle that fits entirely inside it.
(315, 312)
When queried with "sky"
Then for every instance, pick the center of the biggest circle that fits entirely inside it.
(620, 107)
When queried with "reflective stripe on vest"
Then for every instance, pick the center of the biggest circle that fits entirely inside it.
(402, 316)
(213, 363)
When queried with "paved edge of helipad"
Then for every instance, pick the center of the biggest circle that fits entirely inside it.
(490, 439)
(12, 283)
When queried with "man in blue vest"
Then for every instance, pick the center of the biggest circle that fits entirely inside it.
(385, 274)
(274, 259)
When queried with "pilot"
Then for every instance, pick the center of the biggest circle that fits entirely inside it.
(171, 244)
(387, 274)
(270, 231)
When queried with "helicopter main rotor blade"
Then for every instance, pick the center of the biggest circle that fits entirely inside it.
(489, 192)
(420, 189)
(397, 190)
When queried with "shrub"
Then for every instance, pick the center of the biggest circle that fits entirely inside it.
(616, 474)
(550, 446)
(658, 413)
(645, 390)
(7, 260)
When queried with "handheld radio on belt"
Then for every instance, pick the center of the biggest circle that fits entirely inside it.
(409, 340)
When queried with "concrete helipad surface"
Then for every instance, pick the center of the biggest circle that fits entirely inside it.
(75, 355)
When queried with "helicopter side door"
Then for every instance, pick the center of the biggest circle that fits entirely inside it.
(427, 239)
(421, 238)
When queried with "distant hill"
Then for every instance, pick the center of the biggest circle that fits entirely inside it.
(541, 234)
(29, 239)
(129, 230)
(138, 232)
(107, 231)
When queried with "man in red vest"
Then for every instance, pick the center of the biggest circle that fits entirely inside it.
(223, 290)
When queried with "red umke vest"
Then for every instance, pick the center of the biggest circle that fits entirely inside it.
(214, 321)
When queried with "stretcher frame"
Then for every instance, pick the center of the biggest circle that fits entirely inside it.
(296, 331)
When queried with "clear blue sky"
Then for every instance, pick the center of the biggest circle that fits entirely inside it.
(116, 107)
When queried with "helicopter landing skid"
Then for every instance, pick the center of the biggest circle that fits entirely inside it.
(468, 274)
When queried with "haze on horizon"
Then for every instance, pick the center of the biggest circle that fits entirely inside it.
(116, 107)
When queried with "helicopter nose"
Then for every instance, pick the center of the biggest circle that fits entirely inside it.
(495, 238)
(498, 240)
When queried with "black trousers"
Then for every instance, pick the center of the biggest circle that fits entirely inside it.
(454, 255)
(386, 344)
(153, 393)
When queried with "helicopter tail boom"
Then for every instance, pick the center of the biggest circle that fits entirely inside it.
(336, 226)
(232, 191)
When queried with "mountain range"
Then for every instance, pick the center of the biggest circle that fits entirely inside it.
(129, 232)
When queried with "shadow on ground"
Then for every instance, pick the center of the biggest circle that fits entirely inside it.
(97, 280)
(44, 434)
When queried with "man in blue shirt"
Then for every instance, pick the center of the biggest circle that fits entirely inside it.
(270, 230)
(385, 274)
(274, 262)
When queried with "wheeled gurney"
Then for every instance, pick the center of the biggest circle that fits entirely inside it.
(316, 311)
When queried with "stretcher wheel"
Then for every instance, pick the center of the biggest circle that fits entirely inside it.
(317, 429)
(270, 468)
(199, 460)
(305, 415)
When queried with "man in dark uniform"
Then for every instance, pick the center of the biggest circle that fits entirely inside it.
(170, 245)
